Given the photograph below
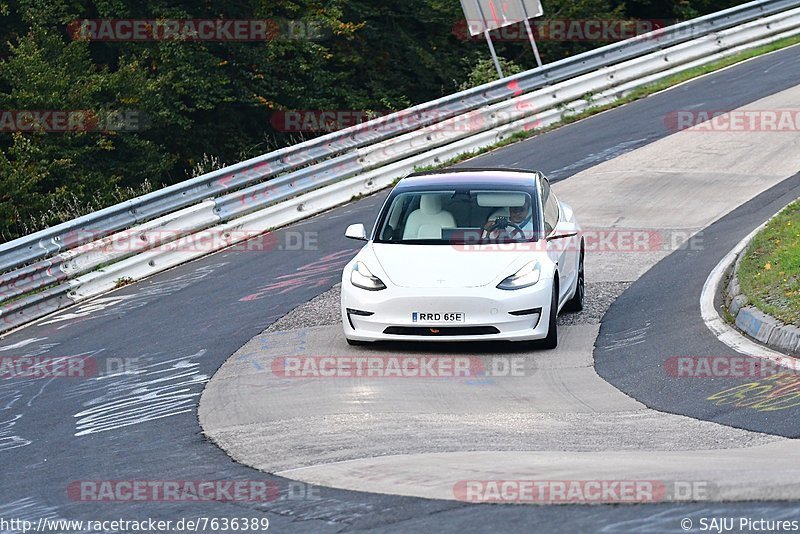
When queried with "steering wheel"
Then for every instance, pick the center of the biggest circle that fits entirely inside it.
(502, 223)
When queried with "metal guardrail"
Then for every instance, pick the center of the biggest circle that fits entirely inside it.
(93, 226)
(344, 163)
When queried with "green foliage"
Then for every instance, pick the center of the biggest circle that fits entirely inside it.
(485, 71)
(205, 103)
(769, 274)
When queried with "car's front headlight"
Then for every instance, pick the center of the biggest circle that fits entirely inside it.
(363, 278)
(526, 277)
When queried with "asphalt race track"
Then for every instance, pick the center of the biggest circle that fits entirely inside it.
(675, 284)
(176, 329)
(430, 436)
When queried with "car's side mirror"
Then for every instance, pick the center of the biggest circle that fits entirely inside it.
(356, 231)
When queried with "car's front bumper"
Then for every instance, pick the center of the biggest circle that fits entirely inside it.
(485, 309)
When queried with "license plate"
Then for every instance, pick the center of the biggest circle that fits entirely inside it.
(438, 318)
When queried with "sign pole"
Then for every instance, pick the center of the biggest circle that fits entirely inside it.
(530, 34)
(489, 40)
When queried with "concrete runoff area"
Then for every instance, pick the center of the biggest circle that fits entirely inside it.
(722, 474)
(338, 419)
(558, 420)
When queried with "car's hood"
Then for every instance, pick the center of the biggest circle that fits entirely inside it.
(444, 266)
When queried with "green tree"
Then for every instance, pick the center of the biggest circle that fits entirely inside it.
(211, 102)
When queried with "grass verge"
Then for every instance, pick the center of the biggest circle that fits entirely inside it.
(769, 274)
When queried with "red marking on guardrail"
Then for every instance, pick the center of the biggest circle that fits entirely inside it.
(514, 88)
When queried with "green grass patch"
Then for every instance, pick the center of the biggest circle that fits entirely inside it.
(769, 274)
(123, 281)
(5, 303)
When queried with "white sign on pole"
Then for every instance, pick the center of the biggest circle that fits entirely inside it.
(492, 14)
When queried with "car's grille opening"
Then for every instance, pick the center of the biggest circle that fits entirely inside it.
(526, 312)
(360, 313)
(441, 331)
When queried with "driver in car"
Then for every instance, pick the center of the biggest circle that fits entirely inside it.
(518, 224)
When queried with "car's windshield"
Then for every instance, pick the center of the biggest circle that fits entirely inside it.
(458, 216)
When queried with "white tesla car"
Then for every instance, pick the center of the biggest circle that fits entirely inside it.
(465, 255)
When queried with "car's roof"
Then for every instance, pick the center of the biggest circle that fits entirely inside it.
(471, 178)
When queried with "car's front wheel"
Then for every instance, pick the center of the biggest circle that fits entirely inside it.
(575, 304)
(551, 341)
